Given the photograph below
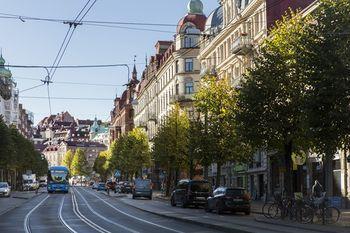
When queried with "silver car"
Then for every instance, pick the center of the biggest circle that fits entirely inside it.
(142, 188)
(5, 189)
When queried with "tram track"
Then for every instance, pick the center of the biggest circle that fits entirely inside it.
(26, 225)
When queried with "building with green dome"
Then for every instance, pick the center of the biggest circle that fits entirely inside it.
(8, 95)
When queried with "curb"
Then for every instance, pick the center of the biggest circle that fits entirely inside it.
(294, 226)
(207, 225)
(16, 206)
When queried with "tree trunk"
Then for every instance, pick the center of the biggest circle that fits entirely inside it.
(218, 175)
(288, 181)
(206, 172)
(328, 174)
(168, 183)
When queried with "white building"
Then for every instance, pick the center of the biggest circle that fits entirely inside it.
(8, 95)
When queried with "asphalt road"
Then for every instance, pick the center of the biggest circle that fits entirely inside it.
(84, 210)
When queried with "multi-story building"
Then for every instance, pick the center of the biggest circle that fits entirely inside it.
(8, 95)
(55, 153)
(172, 74)
(25, 122)
(232, 36)
(122, 116)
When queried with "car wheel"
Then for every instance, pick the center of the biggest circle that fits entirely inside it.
(183, 203)
(150, 197)
(133, 196)
(172, 202)
(219, 208)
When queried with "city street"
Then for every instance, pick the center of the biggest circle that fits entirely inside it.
(86, 210)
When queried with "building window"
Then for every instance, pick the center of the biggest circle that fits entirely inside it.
(177, 67)
(189, 65)
(188, 42)
(189, 88)
(177, 89)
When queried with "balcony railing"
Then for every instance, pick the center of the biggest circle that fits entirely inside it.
(181, 98)
(242, 45)
(208, 71)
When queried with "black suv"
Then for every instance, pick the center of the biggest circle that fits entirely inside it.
(229, 199)
(190, 192)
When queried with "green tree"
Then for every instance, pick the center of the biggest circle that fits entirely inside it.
(67, 160)
(272, 98)
(101, 164)
(80, 166)
(5, 144)
(328, 63)
(170, 149)
(216, 101)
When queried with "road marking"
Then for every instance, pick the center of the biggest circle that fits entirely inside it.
(26, 219)
(134, 217)
(61, 218)
(85, 219)
(104, 218)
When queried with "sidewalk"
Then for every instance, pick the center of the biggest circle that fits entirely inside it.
(17, 199)
(230, 222)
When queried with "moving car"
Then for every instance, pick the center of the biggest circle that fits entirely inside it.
(101, 187)
(5, 189)
(190, 192)
(142, 188)
(229, 199)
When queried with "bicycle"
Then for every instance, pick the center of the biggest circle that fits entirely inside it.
(323, 210)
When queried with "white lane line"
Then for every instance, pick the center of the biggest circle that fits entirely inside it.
(102, 217)
(134, 217)
(61, 218)
(26, 219)
(85, 219)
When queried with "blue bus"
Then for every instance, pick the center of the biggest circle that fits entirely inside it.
(58, 179)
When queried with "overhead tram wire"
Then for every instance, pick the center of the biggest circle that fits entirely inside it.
(67, 98)
(73, 83)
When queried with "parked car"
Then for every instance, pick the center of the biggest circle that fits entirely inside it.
(101, 187)
(142, 188)
(229, 199)
(190, 192)
(5, 189)
(126, 187)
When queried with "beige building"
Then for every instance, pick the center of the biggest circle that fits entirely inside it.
(232, 36)
(172, 74)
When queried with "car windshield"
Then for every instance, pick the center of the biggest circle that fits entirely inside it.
(200, 187)
(142, 183)
(27, 181)
(234, 192)
(3, 185)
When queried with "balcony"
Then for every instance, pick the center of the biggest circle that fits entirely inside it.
(181, 98)
(242, 45)
(208, 71)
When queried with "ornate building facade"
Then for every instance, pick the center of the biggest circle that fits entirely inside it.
(233, 33)
(8, 95)
(172, 74)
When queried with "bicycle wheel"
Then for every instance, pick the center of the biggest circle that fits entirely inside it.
(304, 214)
(274, 211)
(265, 209)
(331, 215)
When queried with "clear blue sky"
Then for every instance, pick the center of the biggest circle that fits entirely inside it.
(37, 43)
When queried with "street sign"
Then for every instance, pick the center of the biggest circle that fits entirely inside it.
(117, 174)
